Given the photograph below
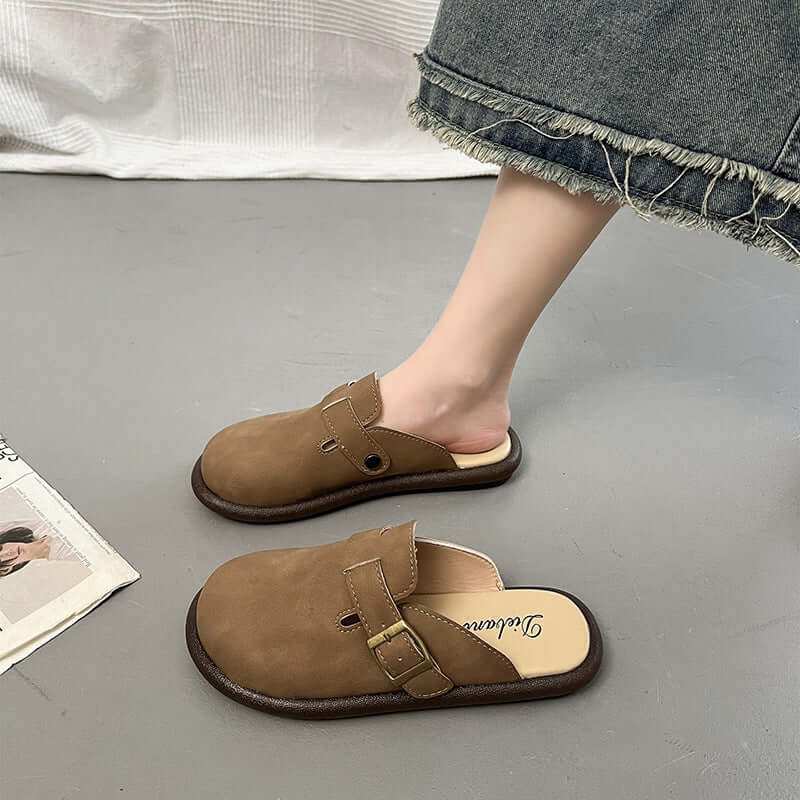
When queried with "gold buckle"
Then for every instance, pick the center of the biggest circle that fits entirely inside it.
(386, 635)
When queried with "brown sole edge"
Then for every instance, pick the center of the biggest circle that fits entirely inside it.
(444, 480)
(387, 702)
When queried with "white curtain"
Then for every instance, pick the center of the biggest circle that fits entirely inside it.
(216, 89)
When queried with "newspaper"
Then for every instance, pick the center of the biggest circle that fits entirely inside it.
(54, 567)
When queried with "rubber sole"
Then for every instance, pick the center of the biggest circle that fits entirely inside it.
(443, 480)
(387, 702)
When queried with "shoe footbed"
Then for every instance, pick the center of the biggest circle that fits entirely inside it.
(493, 456)
(539, 631)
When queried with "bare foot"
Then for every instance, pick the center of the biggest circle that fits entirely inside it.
(464, 415)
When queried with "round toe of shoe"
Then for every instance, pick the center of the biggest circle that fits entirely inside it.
(231, 468)
(227, 620)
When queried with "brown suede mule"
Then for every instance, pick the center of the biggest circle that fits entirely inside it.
(384, 622)
(297, 464)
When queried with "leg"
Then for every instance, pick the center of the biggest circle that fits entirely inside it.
(454, 388)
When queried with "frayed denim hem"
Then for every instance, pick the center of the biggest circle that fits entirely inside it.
(655, 178)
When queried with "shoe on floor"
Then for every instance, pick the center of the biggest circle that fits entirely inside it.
(382, 622)
(297, 464)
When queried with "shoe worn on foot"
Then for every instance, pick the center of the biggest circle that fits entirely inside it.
(296, 464)
(384, 622)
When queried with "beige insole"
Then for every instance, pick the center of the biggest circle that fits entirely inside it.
(467, 460)
(539, 631)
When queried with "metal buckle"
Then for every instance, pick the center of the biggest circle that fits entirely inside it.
(386, 635)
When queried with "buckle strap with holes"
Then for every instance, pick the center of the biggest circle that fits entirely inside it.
(353, 439)
(398, 648)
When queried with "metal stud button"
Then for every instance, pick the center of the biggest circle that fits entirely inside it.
(373, 461)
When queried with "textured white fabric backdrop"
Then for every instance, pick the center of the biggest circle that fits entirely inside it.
(216, 89)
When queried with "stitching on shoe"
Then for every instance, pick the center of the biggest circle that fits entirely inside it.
(364, 622)
(343, 447)
(465, 633)
(412, 569)
(410, 647)
(375, 404)
(446, 688)
(382, 584)
(412, 565)
(363, 433)
(374, 388)
(412, 438)
(323, 441)
(350, 628)
(371, 442)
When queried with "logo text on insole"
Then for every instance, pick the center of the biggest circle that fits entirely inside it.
(526, 626)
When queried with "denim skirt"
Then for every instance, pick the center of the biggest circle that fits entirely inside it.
(685, 110)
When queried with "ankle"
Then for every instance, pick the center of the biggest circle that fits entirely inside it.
(459, 378)
(461, 409)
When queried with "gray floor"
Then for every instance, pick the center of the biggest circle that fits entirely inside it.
(659, 404)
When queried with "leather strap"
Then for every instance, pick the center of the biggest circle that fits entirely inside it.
(353, 439)
(401, 653)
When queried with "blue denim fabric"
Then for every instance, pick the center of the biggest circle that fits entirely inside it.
(685, 110)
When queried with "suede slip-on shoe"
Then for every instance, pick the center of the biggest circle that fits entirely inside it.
(383, 622)
(297, 464)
